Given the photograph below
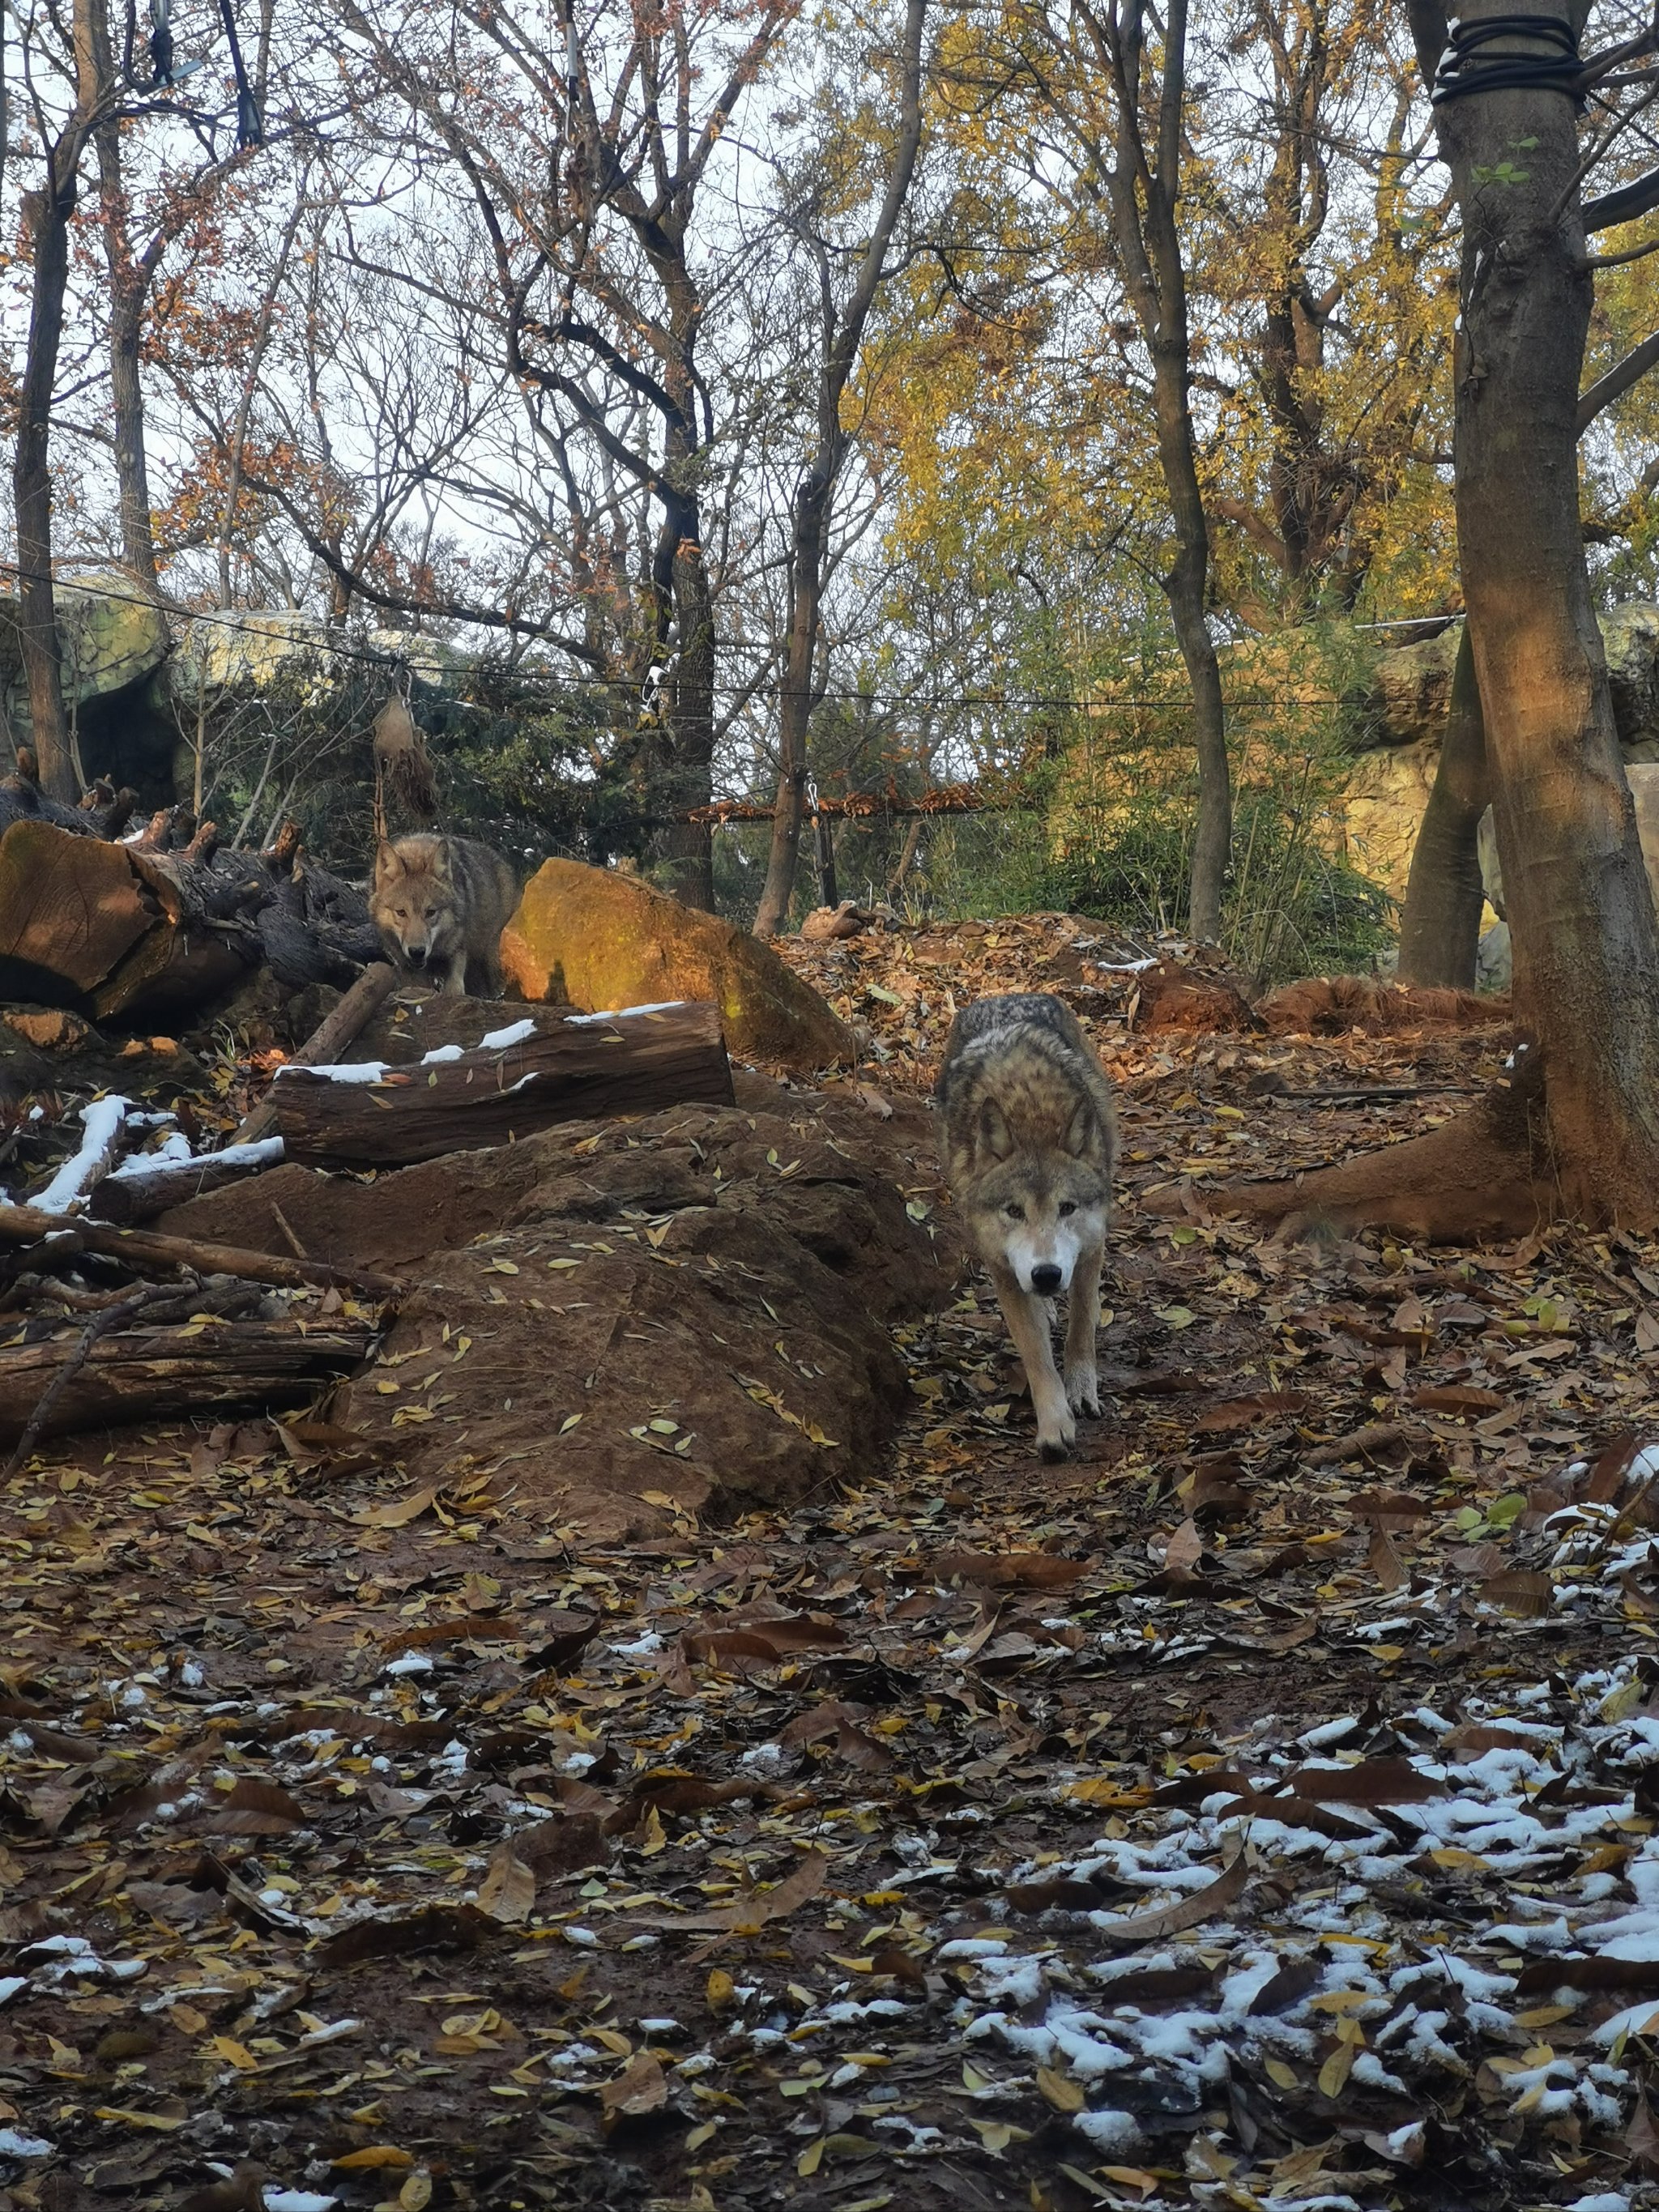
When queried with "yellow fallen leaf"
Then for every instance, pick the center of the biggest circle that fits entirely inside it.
(721, 1990)
(164, 2123)
(1286, 2077)
(1063, 2094)
(810, 2159)
(1334, 2074)
(376, 2155)
(234, 2053)
(416, 2192)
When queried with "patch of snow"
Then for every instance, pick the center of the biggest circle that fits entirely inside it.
(100, 1122)
(619, 1014)
(1112, 2132)
(352, 1071)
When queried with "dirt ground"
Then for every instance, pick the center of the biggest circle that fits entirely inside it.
(1259, 1808)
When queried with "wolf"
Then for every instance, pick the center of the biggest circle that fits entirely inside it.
(441, 904)
(1029, 1142)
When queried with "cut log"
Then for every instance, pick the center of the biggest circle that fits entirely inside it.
(135, 1374)
(587, 1067)
(143, 1251)
(71, 909)
(138, 1192)
(326, 1042)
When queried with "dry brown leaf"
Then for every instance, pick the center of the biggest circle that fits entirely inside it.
(254, 1807)
(1462, 1399)
(1057, 2090)
(400, 1515)
(1373, 1781)
(1187, 1912)
(1385, 1562)
(641, 2087)
(508, 1892)
(1011, 1570)
(1240, 1413)
(1523, 1591)
(1184, 1553)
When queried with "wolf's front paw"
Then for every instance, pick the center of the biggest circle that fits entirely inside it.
(1056, 1437)
(1082, 1390)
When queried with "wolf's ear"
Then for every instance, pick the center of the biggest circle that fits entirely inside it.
(1081, 1131)
(994, 1131)
(388, 861)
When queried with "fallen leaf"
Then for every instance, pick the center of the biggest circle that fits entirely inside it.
(1188, 1911)
(1011, 1570)
(508, 1892)
(1242, 1413)
(641, 2088)
(1064, 2095)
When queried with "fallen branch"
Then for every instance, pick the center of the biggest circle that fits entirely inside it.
(103, 1125)
(143, 1247)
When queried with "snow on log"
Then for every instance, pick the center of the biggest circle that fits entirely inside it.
(522, 1079)
(103, 1125)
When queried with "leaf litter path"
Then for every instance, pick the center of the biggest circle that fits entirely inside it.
(1256, 1810)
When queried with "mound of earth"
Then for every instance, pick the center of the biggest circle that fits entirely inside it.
(599, 939)
(629, 1322)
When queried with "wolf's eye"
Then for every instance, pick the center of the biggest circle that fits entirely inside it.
(1068, 1205)
(1015, 1212)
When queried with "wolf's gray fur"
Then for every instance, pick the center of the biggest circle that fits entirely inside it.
(441, 904)
(1029, 1139)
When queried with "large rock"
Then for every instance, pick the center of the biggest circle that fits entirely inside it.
(111, 635)
(597, 938)
(1382, 809)
(1644, 790)
(1410, 691)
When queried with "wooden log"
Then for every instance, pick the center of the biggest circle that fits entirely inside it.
(587, 1067)
(133, 1374)
(142, 1250)
(327, 1041)
(138, 1193)
(166, 924)
(71, 909)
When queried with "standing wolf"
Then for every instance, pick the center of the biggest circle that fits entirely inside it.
(1028, 1140)
(441, 904)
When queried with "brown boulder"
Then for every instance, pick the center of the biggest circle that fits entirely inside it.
(601, 940)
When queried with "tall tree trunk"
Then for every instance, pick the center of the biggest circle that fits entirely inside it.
(1580, 911)
(795, 702)
(46, 221)
(811, 512)
(128, 282)
(46, 217)
(1143, 191)
(1440, 926)
(688, 847)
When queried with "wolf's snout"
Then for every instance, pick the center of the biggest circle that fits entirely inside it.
(1046, 1279)
(417, 955)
